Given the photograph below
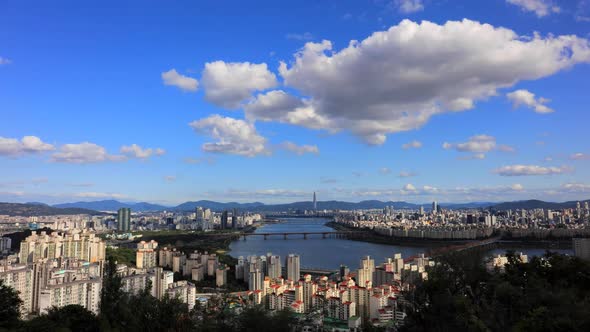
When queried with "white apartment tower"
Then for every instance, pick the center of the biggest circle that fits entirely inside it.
(293, 265)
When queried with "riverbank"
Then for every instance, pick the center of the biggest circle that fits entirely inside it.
(372, 237)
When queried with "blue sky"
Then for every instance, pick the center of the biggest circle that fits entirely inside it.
(165, 101)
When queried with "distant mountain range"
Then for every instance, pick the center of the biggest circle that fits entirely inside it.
(216, 206)
(537, 204)
(37, 208)
(113, 205)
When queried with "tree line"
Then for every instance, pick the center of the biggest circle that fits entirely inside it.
(549, 293)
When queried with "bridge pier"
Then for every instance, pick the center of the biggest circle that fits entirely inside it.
(323, 235)
(265, 236)
(305, 236)
(285, 236)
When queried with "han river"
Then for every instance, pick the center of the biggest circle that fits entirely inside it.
(329, 253)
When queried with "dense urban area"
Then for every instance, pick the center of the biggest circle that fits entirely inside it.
(174, 267)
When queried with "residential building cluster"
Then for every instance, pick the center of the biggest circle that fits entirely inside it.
(56, 270)
(371, 292)
(54, 222)
(160, 266)
(465, 224)
(59, 269)
(125, 221)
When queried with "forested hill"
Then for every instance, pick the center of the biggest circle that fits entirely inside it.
(26, 210)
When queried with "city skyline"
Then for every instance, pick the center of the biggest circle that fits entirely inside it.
(415, 101)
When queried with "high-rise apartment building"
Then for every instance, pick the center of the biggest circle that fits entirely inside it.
(293, 266)
(77, 244)
(274, 266)
(84, 292)
(57, 269)
(185, 291)
(124, 220)
(146, 254)
(256, 280)
(221, 276)
(20, 278)
(5, 244)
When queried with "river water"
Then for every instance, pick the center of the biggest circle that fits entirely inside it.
(327, 253)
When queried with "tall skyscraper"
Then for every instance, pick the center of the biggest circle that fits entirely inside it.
(224, 220)
(293, 263)
(434, 207)
(315, 202)
(124, 220)
(199, 213)
(234, 219)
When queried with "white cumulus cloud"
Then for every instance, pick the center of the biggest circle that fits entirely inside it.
(410, 189)
(576, 187)
(136, 151)
(478, 145)
(26, 145)
(228, 84)
(396, 80)
(185, 83)
(540, 7)
(84, 153)
(233, 136)
(524, 170)
(527, 98)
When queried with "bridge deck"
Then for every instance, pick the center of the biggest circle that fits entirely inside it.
(299, 233)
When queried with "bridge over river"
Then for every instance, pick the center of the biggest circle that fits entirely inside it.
(324, 235)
